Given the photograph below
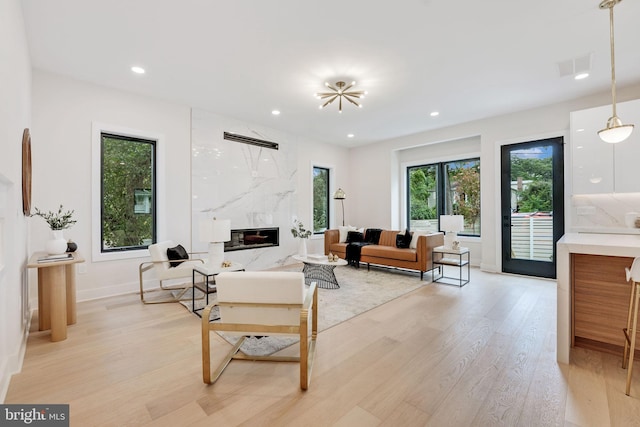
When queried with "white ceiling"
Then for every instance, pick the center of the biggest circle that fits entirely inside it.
(467, 59)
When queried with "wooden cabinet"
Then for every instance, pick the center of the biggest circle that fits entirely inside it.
(600, 294)
(598, 167)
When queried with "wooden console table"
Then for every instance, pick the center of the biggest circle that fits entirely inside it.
(56, 293)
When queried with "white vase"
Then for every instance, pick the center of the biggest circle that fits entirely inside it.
(57, 244)
(302, 248)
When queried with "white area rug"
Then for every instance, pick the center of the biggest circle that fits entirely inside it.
(360, 291)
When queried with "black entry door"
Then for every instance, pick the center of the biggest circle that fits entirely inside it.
(532, 206)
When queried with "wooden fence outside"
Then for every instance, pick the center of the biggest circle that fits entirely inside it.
(532, 238)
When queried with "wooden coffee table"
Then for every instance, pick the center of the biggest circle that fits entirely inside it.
(320, 270)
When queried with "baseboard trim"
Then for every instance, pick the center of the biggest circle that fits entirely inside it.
(14, 362)
(489, 268)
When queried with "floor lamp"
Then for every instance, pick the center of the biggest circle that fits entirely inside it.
(340, 195)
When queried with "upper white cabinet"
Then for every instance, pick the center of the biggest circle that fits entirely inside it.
(599, 167)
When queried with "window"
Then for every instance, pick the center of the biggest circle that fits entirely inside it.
(127, 192)
(446, 188)
(320, 199)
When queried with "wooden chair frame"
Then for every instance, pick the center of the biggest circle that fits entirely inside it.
(182, 288)
(307, 344)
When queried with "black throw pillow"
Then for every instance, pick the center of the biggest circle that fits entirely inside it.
(372, 235)
(407, 237)
(403, 240)
(354, 236)
(175, 254)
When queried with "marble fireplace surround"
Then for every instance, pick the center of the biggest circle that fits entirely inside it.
(254, 187)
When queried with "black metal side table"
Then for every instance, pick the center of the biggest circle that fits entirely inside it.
(442, 257)
(207, 286)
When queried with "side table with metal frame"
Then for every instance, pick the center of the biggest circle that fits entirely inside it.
(442, 257)
(207, 286)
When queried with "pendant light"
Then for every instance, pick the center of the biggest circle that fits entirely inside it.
(615, 131)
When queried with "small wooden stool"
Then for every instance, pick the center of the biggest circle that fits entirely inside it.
(633, 274)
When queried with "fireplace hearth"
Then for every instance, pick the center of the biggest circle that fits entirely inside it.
(252, 238)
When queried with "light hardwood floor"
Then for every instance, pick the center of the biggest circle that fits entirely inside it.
(481, 355)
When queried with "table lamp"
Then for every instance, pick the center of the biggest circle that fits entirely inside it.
(451, 224)
(216, 232)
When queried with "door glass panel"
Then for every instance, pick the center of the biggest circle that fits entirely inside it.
(532, 203)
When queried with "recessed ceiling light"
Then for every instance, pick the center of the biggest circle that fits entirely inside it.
(276, 112)
(137, 70)
(350, 135)
(434, 114)
(579, 130)
(581, 76)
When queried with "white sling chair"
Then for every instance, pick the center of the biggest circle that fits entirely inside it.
(164, 272)
(263, 303)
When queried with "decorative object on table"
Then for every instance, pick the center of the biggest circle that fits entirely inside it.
(615, 131)
(71, 246)
(298, 231)
(340, 195)
(630, 219)
(57, 221)
(451, 224)
(26, 172)
(216, 232)
(455, 245)
(226, 264)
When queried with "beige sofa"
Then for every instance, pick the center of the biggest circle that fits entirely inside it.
(386, 253)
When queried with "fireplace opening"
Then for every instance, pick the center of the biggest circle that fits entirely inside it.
(252, 238)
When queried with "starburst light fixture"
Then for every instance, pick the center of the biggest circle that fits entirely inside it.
(338, 92)
(615, 131)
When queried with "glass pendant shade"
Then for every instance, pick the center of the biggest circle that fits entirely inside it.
(615, 131)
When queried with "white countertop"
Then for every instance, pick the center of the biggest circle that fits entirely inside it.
(601, 244)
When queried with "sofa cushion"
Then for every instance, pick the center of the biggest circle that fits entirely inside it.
(372, 235)
(344, 230)
(338, 248)
(177, 253)
(354, 236)
(390, 252)
(414, 238)
(403, 240)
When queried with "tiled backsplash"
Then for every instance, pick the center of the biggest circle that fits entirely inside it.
(604, 213)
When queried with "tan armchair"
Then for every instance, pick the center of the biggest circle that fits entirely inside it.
(165, 273)
(263, 303)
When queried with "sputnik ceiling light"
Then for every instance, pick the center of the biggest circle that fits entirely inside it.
(615, 130)
(338, 92)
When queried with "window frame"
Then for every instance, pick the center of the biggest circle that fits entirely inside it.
(440, 190)
(96, 205)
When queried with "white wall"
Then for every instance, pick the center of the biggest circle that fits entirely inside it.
(15, 115)
(63, 112)
(374, 177)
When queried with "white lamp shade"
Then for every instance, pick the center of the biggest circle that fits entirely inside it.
(616, 134)
(215, 230)
(452, 222)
